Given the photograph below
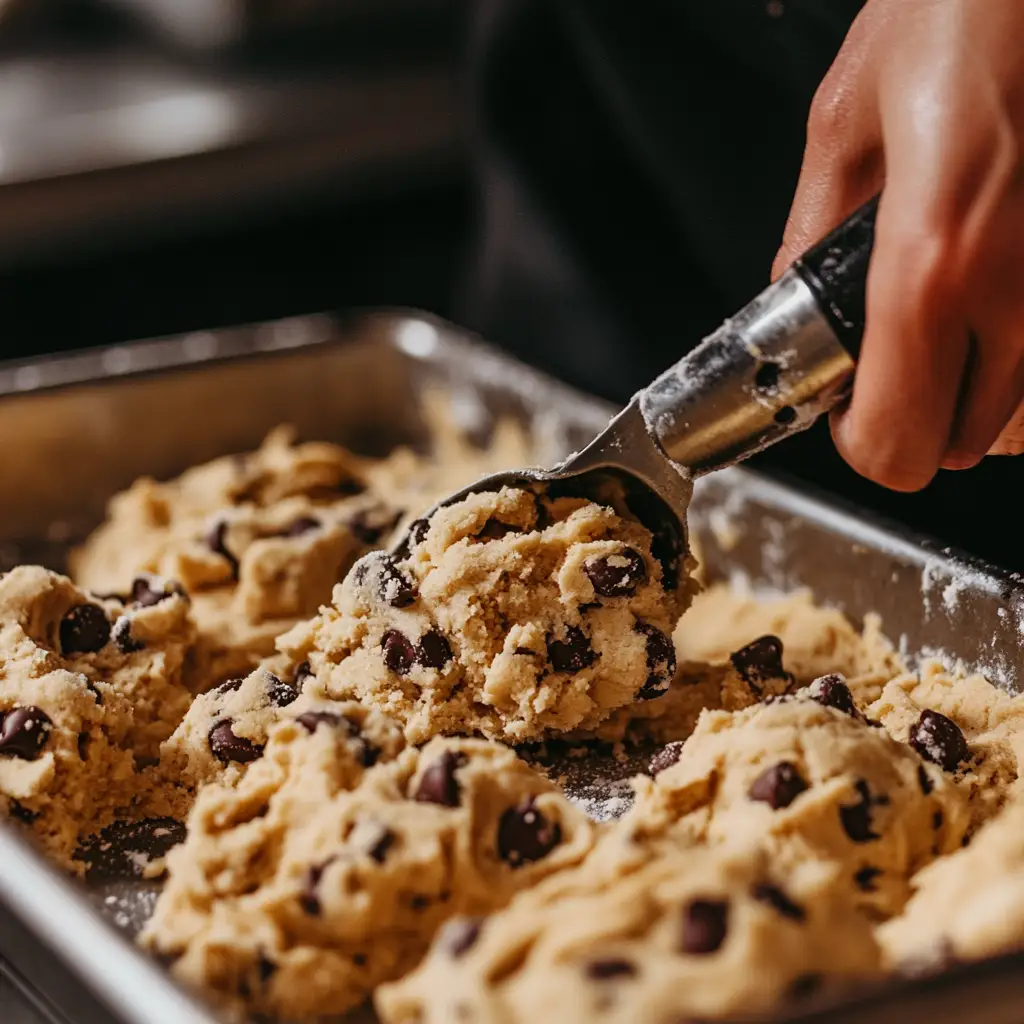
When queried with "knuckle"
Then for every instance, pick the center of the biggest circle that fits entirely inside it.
(831, 109)
(884, 461)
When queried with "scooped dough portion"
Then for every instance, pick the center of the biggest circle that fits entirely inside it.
(676, 934)
(809, 778)
(317, 878)
(515, 616)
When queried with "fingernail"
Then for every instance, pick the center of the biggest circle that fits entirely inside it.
(958, 462)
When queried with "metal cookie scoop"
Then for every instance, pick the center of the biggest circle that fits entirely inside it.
(765, 374)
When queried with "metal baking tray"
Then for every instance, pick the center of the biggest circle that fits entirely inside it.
(82, 427)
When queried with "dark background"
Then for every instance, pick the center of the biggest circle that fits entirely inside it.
(618, 186)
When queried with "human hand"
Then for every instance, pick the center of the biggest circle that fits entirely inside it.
(926, 103)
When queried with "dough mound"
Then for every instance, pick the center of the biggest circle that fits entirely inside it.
(967, 906)
(257, 540)
(681, 934)
(315, 878)
(515, 616)
(808, 781)
(89, 686)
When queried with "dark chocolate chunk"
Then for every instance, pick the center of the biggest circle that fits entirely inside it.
(301, 525)
(226, 746)
(94, 690)
(616, 575)
(778, 900)
(350, 486)
(418, 530)
(215, 541)
(865, 878)
(21, 813)
(84, 630)
(302, 673)
(393, 585)
(382, 842)
(122, 636)
(280, 693)
(666, 757)
(438, 784)
(525, 835)
(399, 653)
(572, 654)
(121, 850)
(524, 651)
(23, 732)
(937, 820)
(661, 661)
(778, 786)
(705, 926)
(832, 692)
(939, 740)
(309, 720)
(265, 968)
(369, 525)
(84, 739)
(760, 661)
(230, 685)
(924, 782)
(495, 529)
(145, 594)
(605, 970)
(856, 818)
(433, 650)
(460, 935)
(309, 899)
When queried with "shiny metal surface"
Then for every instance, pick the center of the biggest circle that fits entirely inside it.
(767, 373)
(88, 424)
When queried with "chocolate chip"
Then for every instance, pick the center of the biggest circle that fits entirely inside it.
(301, 525)
(705, 925)
(84, 630)
(309, 898)
(399, 653)
(433, 650)
(524, 651)
(369, 525)
(302, 673)
(23, 732)
(230, 685)
(94, 690)
(438, 784)
(605, 970)
(350, 486)
(666, 757)
(666, 540)
(419, 902)
(939, 740)
(661, 661)
(778, 900)
(309, 720)
(226, 746)
(418, 530)
(778, 786)
(279, 693)
(616, 575)
(21, 813)
(84, 739)
(460, 935)
(856, 818)
(937, 820)
(760, 661)
(121, 850)
(865, 878)
(832, 692)
(494, 529)
(393, 585)
(572, 654)
(525, 835)
(215, 541)
(265, 968)
(145, 595)
(923, 781)
(382, 842)
(122, 636)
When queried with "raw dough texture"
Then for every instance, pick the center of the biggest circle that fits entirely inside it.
(663, 934)
(808, 781)
(315, 878)
(257, 540)
(86, 687)
(515, 616)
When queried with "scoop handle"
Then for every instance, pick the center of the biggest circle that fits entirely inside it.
(836, 271)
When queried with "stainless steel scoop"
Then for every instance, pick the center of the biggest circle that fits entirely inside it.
(765, 374)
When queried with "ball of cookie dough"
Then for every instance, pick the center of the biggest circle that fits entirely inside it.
(967, 726)
(515, 616)
(258, 541)
(967, 906)
(690, 934)
(314, 879)
(809, 777)
(227, 728)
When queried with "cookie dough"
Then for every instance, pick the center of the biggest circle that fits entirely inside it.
(967, 906)
(88, 687)
(682, 934)
(809, 778)
(515, 616)
(258, 541)
(316, 878)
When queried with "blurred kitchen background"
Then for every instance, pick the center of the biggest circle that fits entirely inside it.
(172, 164)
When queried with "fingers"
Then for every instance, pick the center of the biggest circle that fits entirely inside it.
(1011, 437)
(843, 163)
